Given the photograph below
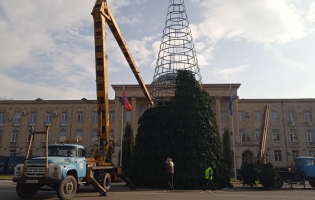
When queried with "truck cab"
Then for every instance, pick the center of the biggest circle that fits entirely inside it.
(66, 169)
(306, 165)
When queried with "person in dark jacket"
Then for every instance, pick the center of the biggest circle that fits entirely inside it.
(170, 172)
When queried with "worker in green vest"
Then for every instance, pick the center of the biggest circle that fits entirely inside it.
(170, 172)
(208, 179)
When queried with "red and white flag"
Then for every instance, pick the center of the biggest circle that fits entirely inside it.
(125, 101)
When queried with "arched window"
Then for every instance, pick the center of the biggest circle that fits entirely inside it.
(142, 109)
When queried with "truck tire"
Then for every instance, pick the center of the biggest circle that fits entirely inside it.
(67, 188)
(107, 181)
(312, 183)
(26, 191)
(279, 182)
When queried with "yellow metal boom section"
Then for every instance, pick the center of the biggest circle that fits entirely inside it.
(264, 131)
(102, 7)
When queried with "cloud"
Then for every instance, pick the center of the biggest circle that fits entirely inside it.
(230, 73)
(266, 21)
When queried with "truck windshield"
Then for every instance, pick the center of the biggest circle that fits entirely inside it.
(63, 151)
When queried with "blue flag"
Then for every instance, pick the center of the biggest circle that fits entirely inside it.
(230, 104)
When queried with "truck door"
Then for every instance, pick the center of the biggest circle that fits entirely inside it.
(81, 163)
(310, 167)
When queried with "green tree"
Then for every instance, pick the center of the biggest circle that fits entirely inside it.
(227, 150)
(185, 130)
(127, 149)
(268, 175)
(249, 174)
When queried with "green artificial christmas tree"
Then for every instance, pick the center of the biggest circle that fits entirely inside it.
(185, 130)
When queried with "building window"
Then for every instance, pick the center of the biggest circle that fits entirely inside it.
(308, 116)
(111, 116)
(13, 153)
(312, 153)
(48, 117)
(242, 134)
(111, 134)
(29, 136)
(142, 110)
(94, 135)
(30, 155)
(95, 116)
(2, 115)
(44, 138)
(15, 136)
(78, 135)
(257, 115)
(62, 136)
(64, 116)
(127, 117)
(241, 116)
(17, 119)
(1, 134)
(32, 118)
(291, 116)
(310, 135)
(293, 135)
(278, 157)
(222, 133)
(80, 116)
(276, 135)
(223, 116)
(274, 116)
(295, 154)
(257, 134)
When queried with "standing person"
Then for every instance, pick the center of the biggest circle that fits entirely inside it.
(208, 179)
(170, 172)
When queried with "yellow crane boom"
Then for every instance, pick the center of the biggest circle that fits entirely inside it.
(264, 131)
(101, 14)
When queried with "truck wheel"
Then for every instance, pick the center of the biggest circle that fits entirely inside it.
(107, 182)
(67, 188)
(26, 191)
(312, 183)
(279, 182)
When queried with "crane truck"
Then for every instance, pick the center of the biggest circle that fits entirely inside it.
(63, 167)
(303, 168)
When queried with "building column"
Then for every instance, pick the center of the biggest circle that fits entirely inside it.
(117, 122)
(134, 120)
(218, 112)
(235, 119)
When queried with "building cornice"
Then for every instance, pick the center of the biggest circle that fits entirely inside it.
(52, 102)
(306, 100)
(221, 86)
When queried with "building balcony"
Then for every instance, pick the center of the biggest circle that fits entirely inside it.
(294, 144)
(1, 124)
(63, 124)
(47, 123)
(250, 143)
(311, 144)
(16, 124)
(14, 144)
(276, 145)
(309, 124)
(291, 123)
(28, 143)
(32, 124)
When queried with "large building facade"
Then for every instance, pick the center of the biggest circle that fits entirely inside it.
(291, 130)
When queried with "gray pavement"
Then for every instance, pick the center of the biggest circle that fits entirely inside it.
(120, 191)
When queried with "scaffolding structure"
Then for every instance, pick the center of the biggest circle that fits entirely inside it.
(177, 52)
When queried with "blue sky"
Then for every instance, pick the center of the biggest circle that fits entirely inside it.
(47, 47)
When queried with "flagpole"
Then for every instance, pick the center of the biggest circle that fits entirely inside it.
(233, 138)
(122, 128)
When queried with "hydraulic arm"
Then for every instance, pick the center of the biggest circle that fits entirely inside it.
(264, 131)
(102, 14)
